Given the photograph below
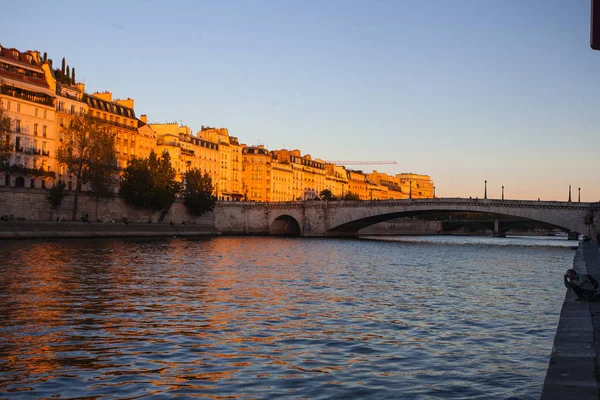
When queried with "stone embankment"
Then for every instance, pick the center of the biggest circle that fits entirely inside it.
(49, 230)
(574, 369)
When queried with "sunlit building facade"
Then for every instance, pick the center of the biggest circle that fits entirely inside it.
(256, 169)
(29, 102)
(40, 100)
(228, 185)
(120, 115)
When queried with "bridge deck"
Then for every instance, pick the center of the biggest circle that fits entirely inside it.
(575, 360)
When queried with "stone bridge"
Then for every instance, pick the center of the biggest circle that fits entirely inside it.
(346, 218)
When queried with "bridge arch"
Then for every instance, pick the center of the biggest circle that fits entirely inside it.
(347, 219)
(285, 225)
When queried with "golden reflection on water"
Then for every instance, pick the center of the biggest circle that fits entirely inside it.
(205, 315)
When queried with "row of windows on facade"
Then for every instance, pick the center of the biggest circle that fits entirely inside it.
(18, 128)
(36, 111)
(28, 162)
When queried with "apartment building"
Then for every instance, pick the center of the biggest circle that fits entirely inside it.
(29, 102)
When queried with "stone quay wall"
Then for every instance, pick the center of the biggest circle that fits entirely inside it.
(573, 370)
(31, 205)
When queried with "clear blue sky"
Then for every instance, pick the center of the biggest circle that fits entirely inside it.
(506, 91)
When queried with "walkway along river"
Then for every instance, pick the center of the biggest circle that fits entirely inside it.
(260, 317)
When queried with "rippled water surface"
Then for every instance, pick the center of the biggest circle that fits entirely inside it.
(411, 317)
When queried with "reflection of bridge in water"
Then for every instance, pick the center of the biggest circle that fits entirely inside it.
(346, 218)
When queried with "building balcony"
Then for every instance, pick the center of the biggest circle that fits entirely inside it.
(27, 95)
(187, 152)
(19, 169)
(31, 150)
(161, 142)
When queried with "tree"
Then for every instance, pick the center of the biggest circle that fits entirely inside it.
(68, 72)
(88, 151)
(62, 69)
(327, 195)
(150, 183)
(351, 196)
(73, 76)
(136, 183)
(198, 194)
(163, 177)
(56, 195)
(5, 144)
(45, 58)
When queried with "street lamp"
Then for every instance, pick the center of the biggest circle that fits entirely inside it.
(502, 192)
(485, 192)
(579, 195)
(569, 193)
(410, 190)
(434, 192)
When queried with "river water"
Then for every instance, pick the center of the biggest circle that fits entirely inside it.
(250, 317)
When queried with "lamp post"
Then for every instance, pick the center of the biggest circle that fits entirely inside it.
(410, 190)
(579, 195)
(485, 192)
(434, 192)
(569, 193)
(502, 192)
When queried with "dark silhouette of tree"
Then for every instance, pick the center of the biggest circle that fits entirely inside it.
(73, 76)
(198, 193)
(5, 144)
(56, 195)
(62, 69)
(45, 58)
(327, 195)
(351, 196)
(150, 183)
(88, 151)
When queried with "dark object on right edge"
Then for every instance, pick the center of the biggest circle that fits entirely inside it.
(595, 25)
(583, 285)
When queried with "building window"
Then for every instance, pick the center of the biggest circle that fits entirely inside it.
(36, 112)
(45, 113)
(18, 107)
(72, 109)
(44, 130)
(35, 129)
(8, 106)
(18, 126)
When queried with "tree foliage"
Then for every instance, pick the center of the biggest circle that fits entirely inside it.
(56, 195)
(88, 152)
(327, 195)
(351, 196)
(198, 193)
(5, 144)
(150, 183)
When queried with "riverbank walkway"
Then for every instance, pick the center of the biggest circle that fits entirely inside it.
(70, 229)
(574, 368)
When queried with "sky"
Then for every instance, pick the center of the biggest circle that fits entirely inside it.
(465, 91)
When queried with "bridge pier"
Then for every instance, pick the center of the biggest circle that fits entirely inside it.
(497, 232)
(573, 235)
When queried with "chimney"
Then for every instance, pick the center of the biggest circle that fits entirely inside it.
(106, 96)
(126, 103)
(144, 118)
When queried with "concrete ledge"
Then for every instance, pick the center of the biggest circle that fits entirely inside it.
(49, 230)
(573, 369)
